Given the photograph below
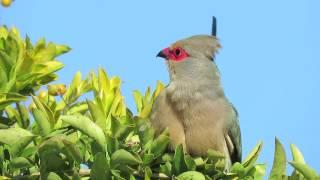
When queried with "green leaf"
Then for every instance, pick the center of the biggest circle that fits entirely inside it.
(3, 32)
(147, 94)
(24, 115)
(28, 43)
(12, 135)
(9, 98)
(45, 68)
(103, 80)
(19, 146)
(145, 132)
(97, 115)
(191, 175)
(61, 49)
(147, 158)
(238, 169)
(3, 80)
(166, 169)
(100, 168)
(296, 154)
(42, 121)
(160, 144)
(199, 162)
(6, 61)
(258, 171)
(279, 162)
(72, 150)
(53, 176)
(57, 152)
(159, 88)
(297, 157)
(191, 164)
(147, 173)
(122, 156)
(19, 163)
(115, 82)
(253, 155)
(4, 178)
(88, 127)
(215, 155)
(118, 130)
(146, 111)
(112, 144)
(138, 100)
(12, 46)
(305, 170)
(44, 108)
(29, 151)
(78, 108)
(72, 92)
(179, 164)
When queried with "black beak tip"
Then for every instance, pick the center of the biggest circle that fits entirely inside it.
(161, 54)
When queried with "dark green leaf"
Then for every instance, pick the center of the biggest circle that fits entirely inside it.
(179, 164)
(100, 168)
(166, 169)
(20, 162)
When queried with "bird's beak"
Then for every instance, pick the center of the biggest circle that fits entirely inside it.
(164, 53)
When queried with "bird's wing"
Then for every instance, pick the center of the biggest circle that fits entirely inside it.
(233, 137)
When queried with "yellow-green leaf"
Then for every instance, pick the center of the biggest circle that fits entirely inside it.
(279, 162)
(296, 154)
(191, 175)
(305, 170)
(253, 155)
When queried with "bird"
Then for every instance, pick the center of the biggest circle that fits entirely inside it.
(193, 106)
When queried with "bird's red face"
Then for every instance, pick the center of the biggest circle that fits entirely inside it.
(174, 54)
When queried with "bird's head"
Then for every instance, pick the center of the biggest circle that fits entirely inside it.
(190, 57)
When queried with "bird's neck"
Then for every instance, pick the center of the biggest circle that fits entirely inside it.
(195, 86)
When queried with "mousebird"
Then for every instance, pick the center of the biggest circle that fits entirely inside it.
(193, 106)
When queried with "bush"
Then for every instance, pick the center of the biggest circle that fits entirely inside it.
(61, 136)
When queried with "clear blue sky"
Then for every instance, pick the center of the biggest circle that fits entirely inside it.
(270, 61)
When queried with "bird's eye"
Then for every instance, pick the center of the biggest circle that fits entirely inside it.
(177, 52)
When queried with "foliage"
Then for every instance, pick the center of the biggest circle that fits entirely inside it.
(62, 136)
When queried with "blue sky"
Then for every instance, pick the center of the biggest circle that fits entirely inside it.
(269, 62)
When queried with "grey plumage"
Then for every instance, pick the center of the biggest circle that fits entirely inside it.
(193, 106)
